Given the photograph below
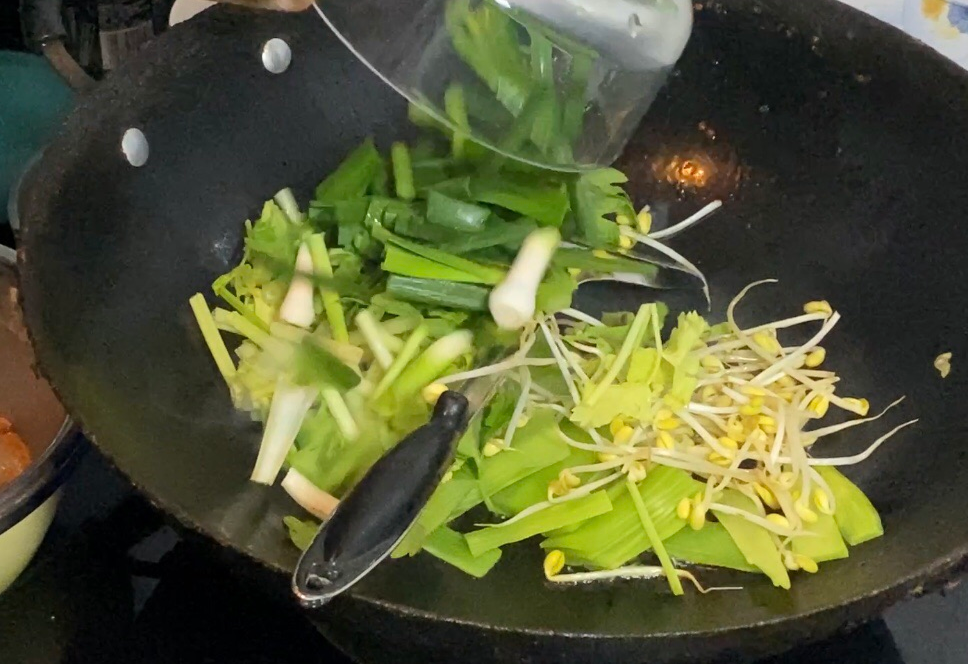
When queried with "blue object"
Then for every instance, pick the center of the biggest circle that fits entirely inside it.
(33, 102)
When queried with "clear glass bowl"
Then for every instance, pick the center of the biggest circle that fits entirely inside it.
(557, 83)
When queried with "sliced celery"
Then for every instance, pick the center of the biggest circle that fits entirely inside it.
(754, 541)
(859, 522)
(534, 488)
(450, 546)
(675, 583)
(711, 546)
(611, 540)
(537, 445)
(823, 541)
(556, 516)
(212, 336)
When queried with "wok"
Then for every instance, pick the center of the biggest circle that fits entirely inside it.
(840, 145)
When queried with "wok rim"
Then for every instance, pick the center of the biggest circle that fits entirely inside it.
(945, 571)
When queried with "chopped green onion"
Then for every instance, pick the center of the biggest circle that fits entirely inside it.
(331, 303)
(410, 349)
(402, 171)
(454, 214)
(438, 293)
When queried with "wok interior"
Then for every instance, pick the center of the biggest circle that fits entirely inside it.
(840, 173)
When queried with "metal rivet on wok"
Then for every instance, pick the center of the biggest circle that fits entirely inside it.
(276, 55)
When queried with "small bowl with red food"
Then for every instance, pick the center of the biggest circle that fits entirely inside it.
(38, 444)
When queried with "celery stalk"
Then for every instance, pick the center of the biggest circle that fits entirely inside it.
(212, 336)
(449, 546)
(712, 545)
(403, 358)
(331, 302)
(534, 488)
(753, 540)
(822, 542)
(536, 446)
(557, 516)
(611, 540)
(233, 321)
(857, 518)
(632, 341)
(670, 570)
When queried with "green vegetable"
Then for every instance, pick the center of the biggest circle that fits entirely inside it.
(449, 501)
(613, 539)
(402, 171)
(352, 177)
(314, 365)
(331, 303)
(753, 540)
(711, 545)
(496, 233)
(450, 546)
(857, 518)
(273, 238)
(822, 540)
(456, 108)
(536, 445)
(301, 532)
(557, 516)
(587, 261)
(533, 489)
(402, 262)
(542, 199)
(595, 195)
(482, 273)
(454, 214)
(654, 539)
(438, 293)
(212, 337)
(430, 365)
(403, 358)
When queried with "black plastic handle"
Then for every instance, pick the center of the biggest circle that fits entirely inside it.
(380, 510)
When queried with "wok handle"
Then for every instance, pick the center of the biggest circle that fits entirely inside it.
(44, 31)
(378, 512)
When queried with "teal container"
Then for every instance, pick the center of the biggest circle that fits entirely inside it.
(33, 102)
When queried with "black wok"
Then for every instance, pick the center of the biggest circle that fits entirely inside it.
(840, 145)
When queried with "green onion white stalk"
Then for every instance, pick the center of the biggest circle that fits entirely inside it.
(512, 302)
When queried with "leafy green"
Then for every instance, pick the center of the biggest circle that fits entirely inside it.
(353, 177)
(484, 274)
(595, 195)
(631, 400)
(540, 198)
(302, 532)
(822, 541)
(273, 236)
(536, 445)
